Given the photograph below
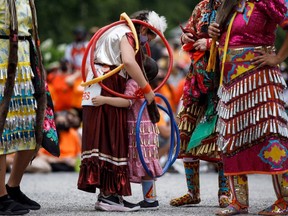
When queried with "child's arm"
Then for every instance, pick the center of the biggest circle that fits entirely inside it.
(112, 101)
(133, 69)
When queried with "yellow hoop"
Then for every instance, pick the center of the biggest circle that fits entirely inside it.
(123, 16)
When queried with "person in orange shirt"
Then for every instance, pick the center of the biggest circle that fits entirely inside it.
(70, 149)
(70, 146)
(77, 93)
(61, 91)
(173, 88)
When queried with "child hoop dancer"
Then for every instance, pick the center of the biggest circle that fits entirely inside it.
(105, 146)
(148, 135)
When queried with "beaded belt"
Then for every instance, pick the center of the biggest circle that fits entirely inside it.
(238, 51)
(238, 60)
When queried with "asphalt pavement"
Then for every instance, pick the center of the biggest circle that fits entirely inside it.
(58, 195)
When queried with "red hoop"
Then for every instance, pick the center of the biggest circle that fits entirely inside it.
(92, 45)
(148, 50)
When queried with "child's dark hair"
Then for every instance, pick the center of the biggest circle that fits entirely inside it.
(151, 68)
(140, 15)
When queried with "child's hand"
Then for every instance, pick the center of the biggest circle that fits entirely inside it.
(98, 100)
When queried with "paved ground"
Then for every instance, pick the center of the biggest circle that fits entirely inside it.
(58, 195)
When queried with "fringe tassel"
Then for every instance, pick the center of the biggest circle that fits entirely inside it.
(208, 150)
(252, 82)
(252, 134)
(251, 108)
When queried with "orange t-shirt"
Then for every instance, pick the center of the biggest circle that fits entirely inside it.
(169, 93)
(61, 92)
(77, 93)
(179, 91)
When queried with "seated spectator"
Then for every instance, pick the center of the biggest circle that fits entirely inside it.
(61, 90)
(70, 149)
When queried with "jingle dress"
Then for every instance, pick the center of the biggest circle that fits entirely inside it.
(19, 128)
(252, 125)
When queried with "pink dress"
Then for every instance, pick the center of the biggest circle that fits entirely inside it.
(148, 136)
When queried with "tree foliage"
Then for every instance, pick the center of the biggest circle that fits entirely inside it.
(58, 18)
